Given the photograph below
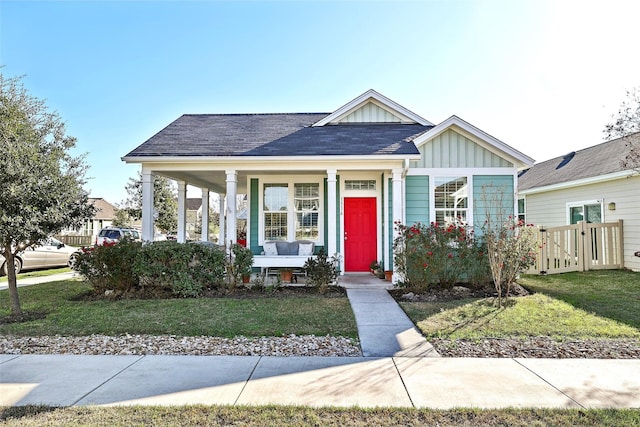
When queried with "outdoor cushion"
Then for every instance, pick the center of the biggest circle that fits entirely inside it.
(305, 249)
(270, 248)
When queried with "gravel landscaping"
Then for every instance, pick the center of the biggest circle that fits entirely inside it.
(539, 347)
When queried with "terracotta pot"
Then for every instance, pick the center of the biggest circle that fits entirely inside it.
(286, 275)
(388, 275)
(246, 278)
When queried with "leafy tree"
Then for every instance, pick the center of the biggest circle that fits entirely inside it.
(626, 124)
(41, 182)
(165, 201)
(122, 218)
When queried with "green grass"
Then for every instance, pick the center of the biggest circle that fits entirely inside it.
(614, 294)
(39, 273)
(221, 317)
(580, 305)
(302, 416)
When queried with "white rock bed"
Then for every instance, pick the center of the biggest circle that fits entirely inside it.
(291, 345)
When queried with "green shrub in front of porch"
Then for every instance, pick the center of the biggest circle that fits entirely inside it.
(429, 256)
(130, 269)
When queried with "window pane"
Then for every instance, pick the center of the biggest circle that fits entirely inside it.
(576, 214)
(368, 184)
(275, 197)
(275, 226)
(307, 226)
(593, 213)
(307, 204)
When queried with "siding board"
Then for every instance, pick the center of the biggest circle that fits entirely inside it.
(452, 150)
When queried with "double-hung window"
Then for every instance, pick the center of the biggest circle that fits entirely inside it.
(307, 206)
(291, 211)
(275, 207)
(451, 195)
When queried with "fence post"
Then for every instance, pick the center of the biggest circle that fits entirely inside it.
(542, 238)
(584, 245)
(620, 245)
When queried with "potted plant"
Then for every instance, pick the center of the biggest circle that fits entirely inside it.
(375, 266)
(286, 274)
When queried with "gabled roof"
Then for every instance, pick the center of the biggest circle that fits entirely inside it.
(231, 135)
(600, 160)
(490, 142)
(193, 203)
(404, 115)
(104, 209)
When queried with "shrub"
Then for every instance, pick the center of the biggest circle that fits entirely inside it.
(185, 269)
(321, 270)
(432, 255)
(110, 267)
(238, 263)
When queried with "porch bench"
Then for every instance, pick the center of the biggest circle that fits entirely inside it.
(280, 254)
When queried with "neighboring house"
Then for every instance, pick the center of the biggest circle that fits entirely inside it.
(193, 215)
(103, 217)
(590, 185)
(339, 179)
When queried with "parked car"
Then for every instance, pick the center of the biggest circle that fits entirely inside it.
(174, 235)
(51, 253)
(112, 235)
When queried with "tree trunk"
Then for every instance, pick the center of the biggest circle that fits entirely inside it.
(13, 285)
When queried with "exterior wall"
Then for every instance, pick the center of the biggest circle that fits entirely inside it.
(451, 149)
(417, 199)
(550, 209)
(487, 200)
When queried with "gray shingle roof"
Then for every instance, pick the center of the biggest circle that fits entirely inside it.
(275, 135)
(590, 162)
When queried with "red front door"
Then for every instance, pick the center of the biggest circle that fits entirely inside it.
(360, 233)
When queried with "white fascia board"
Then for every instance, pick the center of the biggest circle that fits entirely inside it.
(478, 133)
(279, 162)
(578, 182)
(372, 94)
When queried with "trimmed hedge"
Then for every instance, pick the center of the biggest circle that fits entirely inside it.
(156, 269)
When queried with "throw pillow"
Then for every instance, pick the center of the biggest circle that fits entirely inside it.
(270, 248)
(305, 249)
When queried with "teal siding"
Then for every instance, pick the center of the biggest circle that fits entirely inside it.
(417, 199)
(254, 213)
(493, 195)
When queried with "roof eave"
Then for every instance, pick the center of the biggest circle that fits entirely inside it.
(578, 182)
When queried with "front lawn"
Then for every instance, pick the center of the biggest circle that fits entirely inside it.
(302, 416)
(65, 313)
(577, 305)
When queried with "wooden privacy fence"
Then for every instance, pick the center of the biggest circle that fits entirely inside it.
(579, 247)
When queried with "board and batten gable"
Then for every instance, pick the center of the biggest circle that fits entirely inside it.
(549, 209)
(451, 149)
(371, 113)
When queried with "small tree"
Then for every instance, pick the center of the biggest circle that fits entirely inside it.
(165, 201)
(626, 124)
(511, 245)
(41, 183)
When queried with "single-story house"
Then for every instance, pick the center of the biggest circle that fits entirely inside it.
(588, 185)
(338, 179)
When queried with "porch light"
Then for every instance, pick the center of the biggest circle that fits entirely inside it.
(611, 206)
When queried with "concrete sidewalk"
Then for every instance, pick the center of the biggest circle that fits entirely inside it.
(67, 380)
(42, 279)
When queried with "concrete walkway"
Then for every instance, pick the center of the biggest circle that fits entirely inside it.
(42, 279)
(405, 374)
(383, 327)
(67, 380)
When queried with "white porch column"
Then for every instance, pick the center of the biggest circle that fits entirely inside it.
(397, 209)
(147, 206)
(222, 221)
(204, 234)
(182, 211)
(332, 220)
(232, 187)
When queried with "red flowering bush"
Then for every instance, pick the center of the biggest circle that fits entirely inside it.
(434, 255)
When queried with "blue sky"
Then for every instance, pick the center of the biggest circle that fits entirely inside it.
(542, 76)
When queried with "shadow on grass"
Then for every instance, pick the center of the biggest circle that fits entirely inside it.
(17, 412)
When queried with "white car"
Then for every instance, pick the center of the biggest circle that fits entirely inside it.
(52, 253)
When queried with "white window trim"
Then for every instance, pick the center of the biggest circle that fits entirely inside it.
(582, 203)
(291, 212)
